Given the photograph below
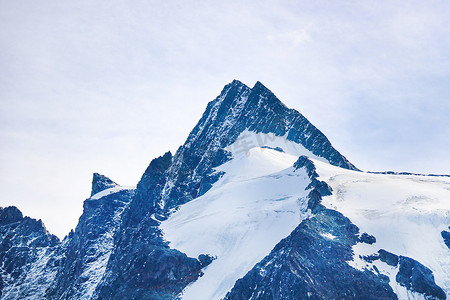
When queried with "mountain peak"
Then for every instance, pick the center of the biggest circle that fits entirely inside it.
(259, 85)
(237, 82)
(236, 110)
(101, 183)
(10, 214)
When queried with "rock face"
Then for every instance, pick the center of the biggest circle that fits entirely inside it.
(26, 250)
(117, 250)
(446, 237)
(85, 252)
(307, 265)
(416, 277)
(142, 266)
(101, 183)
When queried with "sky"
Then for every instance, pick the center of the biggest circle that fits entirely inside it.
(106, 86)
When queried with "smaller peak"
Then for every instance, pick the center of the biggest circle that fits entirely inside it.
(236, 82)
(259, 86)
(101, 183)
(232, 86)
(10, 214)
(160, 164)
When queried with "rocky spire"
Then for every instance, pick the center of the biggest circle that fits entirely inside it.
(100, 183)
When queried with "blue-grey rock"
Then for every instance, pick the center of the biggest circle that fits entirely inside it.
(205, 259)
(142, 265)
(85, 252)
(24, 242)
(367, 238)
(416, 277)
(101, 183)
(446, 237)
(388, 257)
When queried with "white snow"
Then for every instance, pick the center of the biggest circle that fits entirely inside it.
(112, 190)
(258, 202)
(328, 235)
(406, 214)
(249, 139)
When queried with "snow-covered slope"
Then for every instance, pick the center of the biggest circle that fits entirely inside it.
(258, 202)
(406, 214)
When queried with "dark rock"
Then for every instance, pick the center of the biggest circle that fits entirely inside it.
(90, 244)
(304, 162)
(205, 259)
(142, 266)
(319, 186)
(101, 183)
(371, 258)
(10, 215)
(446, 237)
(388, 257)
(367, 238)
(416, 277)
(24, 244)
(314, 202)
(273, 148)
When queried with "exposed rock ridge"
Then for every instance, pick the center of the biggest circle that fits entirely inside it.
(101, 183)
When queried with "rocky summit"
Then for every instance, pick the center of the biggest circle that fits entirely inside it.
(256, 204)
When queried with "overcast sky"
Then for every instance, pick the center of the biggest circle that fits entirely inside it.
(105, 86)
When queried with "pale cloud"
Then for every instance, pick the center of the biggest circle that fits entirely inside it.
(290, 38)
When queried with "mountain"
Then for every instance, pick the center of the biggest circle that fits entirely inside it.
(26, 254)
(256, 204)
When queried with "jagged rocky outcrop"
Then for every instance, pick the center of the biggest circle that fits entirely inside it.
(85, 252)
(411, 274)
(142, 266)
(446, 237)
(101, 183)
(26, 250)
(42, 267)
